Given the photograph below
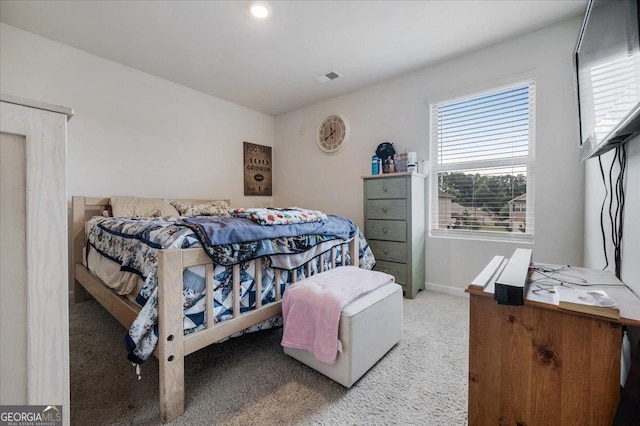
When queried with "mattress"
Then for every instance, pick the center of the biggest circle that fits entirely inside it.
(124, 283)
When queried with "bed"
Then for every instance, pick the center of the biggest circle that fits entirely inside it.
(157, 279)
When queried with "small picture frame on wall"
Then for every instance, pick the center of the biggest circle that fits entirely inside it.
(257, 169)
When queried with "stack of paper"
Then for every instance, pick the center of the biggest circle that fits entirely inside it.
(594, 302)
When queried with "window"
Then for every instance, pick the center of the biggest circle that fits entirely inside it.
(482, 150)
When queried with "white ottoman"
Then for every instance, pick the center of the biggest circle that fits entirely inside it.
(369, 327)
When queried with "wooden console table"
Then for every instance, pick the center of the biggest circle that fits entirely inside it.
(537, 364)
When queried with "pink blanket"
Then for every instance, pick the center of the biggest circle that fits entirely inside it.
(311, 308)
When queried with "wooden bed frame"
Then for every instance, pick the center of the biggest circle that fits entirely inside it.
(173, 346)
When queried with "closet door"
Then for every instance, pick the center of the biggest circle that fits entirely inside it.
(13, 275)
(34, 311)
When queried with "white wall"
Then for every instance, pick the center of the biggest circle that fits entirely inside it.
(133, 133)
(594, 194)
(397, 111)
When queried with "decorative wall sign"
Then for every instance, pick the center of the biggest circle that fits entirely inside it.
(257, 169)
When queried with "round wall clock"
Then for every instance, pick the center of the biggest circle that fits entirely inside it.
(333, 133)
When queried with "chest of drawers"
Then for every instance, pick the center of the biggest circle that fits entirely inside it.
(394, 216)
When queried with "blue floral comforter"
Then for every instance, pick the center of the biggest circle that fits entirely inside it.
(134, 243)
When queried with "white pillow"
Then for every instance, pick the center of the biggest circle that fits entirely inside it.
(124, 206)
(202, 208)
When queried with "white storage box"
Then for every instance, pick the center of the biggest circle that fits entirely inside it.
(369, 327)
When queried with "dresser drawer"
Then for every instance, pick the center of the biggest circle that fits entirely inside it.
(386, 188)
(389, 250)
(390, 230)
(398, 270)
(387, 209)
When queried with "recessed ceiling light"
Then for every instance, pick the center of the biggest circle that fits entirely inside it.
(259, 9)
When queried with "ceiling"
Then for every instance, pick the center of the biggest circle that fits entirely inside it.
(271, 66)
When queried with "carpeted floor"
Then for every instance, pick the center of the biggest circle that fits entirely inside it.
(250, 381)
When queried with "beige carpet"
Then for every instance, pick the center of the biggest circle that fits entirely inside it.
(249, 381)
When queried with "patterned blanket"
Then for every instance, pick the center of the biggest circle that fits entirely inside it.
(134, 244)
(277, 216)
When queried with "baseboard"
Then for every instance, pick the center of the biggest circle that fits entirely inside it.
(445, 289)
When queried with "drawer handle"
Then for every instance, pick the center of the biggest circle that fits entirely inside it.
(384, 209)
(384, 229)
(384, 189)
(385, 250)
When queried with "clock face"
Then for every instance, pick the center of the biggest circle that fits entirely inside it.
(333, 133)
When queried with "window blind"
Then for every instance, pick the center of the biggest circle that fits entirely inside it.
(482, 164)
(615, 85)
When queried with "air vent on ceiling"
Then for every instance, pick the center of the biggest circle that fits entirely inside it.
(331, 75)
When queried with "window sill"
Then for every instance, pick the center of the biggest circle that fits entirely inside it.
(505, 237)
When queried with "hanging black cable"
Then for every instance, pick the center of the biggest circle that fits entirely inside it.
(616, 211)
(612, 220)
(620, 200)
(604, 201)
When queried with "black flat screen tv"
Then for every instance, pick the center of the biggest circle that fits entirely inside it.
(607, 65)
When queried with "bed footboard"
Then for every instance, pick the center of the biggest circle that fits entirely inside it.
(173, 346)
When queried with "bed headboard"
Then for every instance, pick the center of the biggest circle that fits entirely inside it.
(86, 207)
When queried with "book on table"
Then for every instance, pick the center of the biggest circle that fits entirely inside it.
(588, 301)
